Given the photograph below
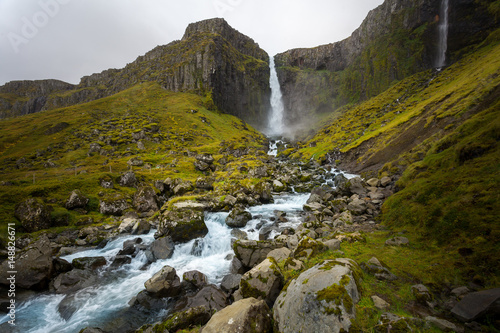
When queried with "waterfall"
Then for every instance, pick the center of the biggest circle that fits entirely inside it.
(276, 124)
(443, 34)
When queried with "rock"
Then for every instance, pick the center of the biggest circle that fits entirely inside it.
(127, 225)
(106, 182)
(182, 320)
(374, 182)
(205, 183)
(321, 300)
(393, 323)
(244, 316)
(443, 325)
(381, 272)
(120, 260)
(74, 280)
(189, 204)
(384, 181)
(239, 234)
(238, 218)
(332, 244)
(460, 292)
(33, 214)
(263, 281)
(229, 200)
(88, 263)
(357, 206)
(183, 187)
(313, 206)
(164, 283)
(308, 248)
(478, 305)
(141, 227)
(380, 304)
(148, 302)
(182, 225)
(91, 330)
(135, 161)
(264, 192)
(145, 200)
(128, 179)
(33, 264)
(205, 158)
(61, 266)
(278, 186)
(251, 252)
(162, 248)
(211, 297)
(230, 283)
(280, 254)
(397, 241)
(201, 166)
(113, 205)
(421, 293)
(237, 267)
(76, 200)
(195, 278)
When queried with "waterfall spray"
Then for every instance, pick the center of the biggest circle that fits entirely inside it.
(443, 34)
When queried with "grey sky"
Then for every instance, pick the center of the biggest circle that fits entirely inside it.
(67, 39)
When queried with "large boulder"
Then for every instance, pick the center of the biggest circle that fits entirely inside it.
(145, 200)
(74, 280)
(321, 300)
(264, 281)
(180, 320)
(162, 248)
(251, 252)
(76, 200)
(308, 248)
(164, 283)
(238, 218)
(263, 192)
(210, 297)
(113, 205)
(34, 266)
(245, 316)
(128, 179)
(478, 305)
(33, 214)
(182, 225)
(89, 263)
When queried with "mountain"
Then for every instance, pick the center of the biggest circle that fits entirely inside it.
(397, 39)
(212, 59)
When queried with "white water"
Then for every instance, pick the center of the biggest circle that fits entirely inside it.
(276, 123)
(443, 34)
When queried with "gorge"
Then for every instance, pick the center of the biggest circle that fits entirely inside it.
(208, 185)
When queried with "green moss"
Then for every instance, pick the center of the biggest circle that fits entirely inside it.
(337, 294)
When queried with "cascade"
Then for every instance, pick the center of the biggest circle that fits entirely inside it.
(276, 124)
(443, 34)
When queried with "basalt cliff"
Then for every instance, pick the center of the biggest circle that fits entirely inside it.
(212, 59)
(396, 39)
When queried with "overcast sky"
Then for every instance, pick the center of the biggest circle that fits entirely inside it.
(67, 39)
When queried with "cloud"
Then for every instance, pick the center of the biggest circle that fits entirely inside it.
(67, 39)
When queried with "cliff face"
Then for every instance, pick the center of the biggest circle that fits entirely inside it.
(212, 59)
(397, 39)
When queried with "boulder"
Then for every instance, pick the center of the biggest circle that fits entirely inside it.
(88, 263)
(164, 283)
(145, 200)
(251, 252)
(182, 320)
(182, 225)
(34, 266)
(205, 158)
(397, 241)
(113, 205)
(211, 297)
(33, 214)
(374, 182)
(128, 179)
(264, 281)
(141, 227)
(280, 254)
(196, 278)
(384, 181)
(308, 248)
(332, 244)
(381, 271)
(278, 186)
(239, 234)
(380, 304)
(248, 315)
(230, 283)
(238, 218)
(120, 260)
(74, 280)
(162, 248)
(263, 191)
(478, 305)
(357, 206)
(182, 187)
(321, 300)
(127, 225)
(76, 200)
(443, 325)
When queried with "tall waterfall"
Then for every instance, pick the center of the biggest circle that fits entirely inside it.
(443, 34)
(276, 124)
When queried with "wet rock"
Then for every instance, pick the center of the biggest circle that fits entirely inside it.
(91, 330)
(478, 305)
(141, 227)
(239, 234)
(230, 283)
(164, 283)
(251, 252)
(237, 266)
(61, 266)
(244, 316)
(128, 179)
(88, 263)
(238, 218)
(182, 225)
(127, 225)
(33, 264)
(76, 200)
(33, 214)
(263, 281)
(74, 280)
(147, 301)
(321, 300)
(162, 248)
(145, 200)
(196, 278)
(120, 260)
(397, 241)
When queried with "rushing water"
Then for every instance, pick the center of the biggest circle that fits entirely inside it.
(443, 34)
(276, 123)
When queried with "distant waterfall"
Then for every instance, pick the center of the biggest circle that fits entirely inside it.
(443, 34)
(276, 124)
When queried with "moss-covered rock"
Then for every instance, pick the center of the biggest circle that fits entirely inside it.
(34, 214)
(264, 281)
(182, 225)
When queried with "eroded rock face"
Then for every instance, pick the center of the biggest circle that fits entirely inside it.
(248, 315)
(33, 214)
(322, 299)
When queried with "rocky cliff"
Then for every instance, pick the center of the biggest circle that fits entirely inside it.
(212, 59)
(397, 39)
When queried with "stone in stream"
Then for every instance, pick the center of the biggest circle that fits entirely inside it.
(164, 283)
(238, 218)
(162, 248)
(182, 225)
